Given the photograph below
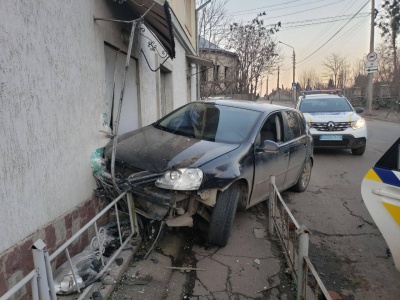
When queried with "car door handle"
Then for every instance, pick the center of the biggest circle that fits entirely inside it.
(383, 193)
(286, 154)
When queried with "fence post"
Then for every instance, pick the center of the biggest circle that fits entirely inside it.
(303, 251)
(50, 279)
(38, 249)
(271, 205)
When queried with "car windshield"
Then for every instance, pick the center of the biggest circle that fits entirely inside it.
(311, 105)
(212, 122)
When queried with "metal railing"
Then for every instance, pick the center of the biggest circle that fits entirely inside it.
(294, 241)
(41, 278)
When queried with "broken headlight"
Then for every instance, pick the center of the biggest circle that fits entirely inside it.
(181, 180)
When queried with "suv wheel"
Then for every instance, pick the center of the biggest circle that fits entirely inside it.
(222, 216)
(358, 151)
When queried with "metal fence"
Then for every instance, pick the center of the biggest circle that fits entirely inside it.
(42, 277)
(294, 241)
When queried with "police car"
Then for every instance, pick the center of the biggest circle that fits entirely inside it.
(380, 190)
(332, 120)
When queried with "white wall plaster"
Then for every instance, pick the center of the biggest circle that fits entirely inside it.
(52, 92)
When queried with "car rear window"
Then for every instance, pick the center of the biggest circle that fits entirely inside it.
(324, 105)
(212, 122)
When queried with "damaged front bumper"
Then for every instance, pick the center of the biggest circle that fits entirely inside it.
(176, 208)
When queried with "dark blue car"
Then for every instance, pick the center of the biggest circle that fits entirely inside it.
(210, 158)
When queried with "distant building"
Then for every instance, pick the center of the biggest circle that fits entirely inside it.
(221, 79)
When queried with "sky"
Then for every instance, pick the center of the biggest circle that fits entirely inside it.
(352, 41)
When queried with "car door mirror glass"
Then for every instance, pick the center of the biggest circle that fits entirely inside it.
(359, 110)
(269, 146)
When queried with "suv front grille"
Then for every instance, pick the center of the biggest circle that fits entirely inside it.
(330, 126)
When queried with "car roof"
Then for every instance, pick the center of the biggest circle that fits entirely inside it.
(323, 96)
(258, 106)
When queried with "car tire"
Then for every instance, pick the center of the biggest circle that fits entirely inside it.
(222, 216)
(304, 179)
(358, 151)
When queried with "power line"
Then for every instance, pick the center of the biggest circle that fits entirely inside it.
(263, 7)
(325, 29)
(317, 23)
(299, 12)
(241, 13)
(334, 34)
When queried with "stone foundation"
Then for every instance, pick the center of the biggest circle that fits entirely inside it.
(17, 262)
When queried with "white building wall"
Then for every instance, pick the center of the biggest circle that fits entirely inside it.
(52, 97)
(179, 78)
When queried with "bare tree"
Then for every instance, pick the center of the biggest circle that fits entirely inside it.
(334, 64)
(256, 50)
(390, 26)
(213, 21)
(309, 78)
(344, 78)
(386, 68)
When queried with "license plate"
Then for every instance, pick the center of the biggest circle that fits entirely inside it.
(337, 137)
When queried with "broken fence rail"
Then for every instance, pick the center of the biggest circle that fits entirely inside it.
(41, 278)
(295, 242)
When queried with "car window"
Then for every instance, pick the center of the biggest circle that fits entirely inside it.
(293, 125)
(391, 159)
(302, 123)
(310, 105)
(271, 129)
(212, 122)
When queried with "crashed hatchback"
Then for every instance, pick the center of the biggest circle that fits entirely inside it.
(211, 158)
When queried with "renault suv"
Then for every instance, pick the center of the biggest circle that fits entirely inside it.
(332, 120)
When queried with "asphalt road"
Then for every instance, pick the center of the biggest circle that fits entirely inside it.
(346, 247)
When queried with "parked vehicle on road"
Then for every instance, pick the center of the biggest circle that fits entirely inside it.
(210, 158)
(332, 120)
(380, 190)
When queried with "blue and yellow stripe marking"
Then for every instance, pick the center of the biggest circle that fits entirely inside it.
(386, 177)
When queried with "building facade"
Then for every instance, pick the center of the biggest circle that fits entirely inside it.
(61, 74)
(221, 79)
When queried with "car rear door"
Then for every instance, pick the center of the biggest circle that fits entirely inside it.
(296, 137)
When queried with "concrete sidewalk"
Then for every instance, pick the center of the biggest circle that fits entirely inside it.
(251, 266)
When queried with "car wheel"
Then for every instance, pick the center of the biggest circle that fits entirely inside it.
(358, 151)
(222, 216)
(304, 179)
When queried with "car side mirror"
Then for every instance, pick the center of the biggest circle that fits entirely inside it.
(269, 146)
(359, 110)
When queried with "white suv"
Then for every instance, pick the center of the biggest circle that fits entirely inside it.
(332, 121)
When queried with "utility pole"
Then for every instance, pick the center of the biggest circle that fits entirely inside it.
(266, 92)
(277, 88)
(371, 49)
(294, 72)
(294, 77)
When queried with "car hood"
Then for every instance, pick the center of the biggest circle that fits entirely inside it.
(348, 116)
(156, 150)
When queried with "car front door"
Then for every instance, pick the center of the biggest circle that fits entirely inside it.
(269, 163)
(380, 190)
(297, 139)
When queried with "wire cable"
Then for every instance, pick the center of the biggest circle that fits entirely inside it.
(319, 48)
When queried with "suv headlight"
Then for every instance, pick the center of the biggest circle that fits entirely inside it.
(181, 180)
(358, 124)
